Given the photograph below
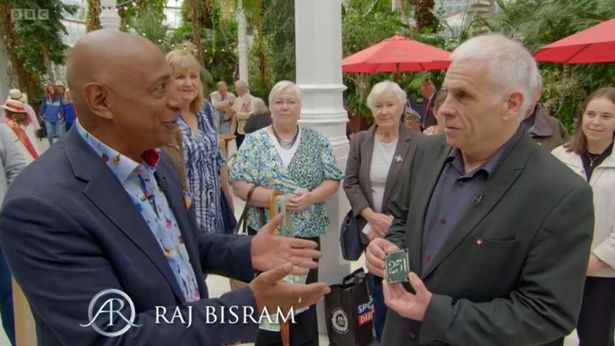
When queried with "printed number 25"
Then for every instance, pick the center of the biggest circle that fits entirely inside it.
(397, 266)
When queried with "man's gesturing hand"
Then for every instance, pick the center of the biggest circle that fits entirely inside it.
(271, 292)
(269, 250)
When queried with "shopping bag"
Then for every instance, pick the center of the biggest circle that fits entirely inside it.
(350, 239)
(349, 311)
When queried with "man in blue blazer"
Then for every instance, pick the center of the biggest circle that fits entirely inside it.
(103, 209)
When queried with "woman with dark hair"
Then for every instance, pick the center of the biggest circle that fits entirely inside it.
(52, 112)
(590, 154)
(260, 118)
(438, 128)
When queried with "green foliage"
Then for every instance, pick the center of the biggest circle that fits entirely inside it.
(219, 46)
(149, 24)
(537, 23)
(278, 29)
(260, 69)
(41, 40)
(365, 23)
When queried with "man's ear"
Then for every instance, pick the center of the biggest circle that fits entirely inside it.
(514, 102)
(96, 98)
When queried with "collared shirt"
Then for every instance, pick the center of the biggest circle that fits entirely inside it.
(139, 181)
(455, 194)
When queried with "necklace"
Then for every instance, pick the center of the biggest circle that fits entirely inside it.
(592, 158)
(285, 143)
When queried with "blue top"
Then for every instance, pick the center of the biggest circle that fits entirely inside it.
(69, 112)
(139, 181)
(52, 109)
(202, 160)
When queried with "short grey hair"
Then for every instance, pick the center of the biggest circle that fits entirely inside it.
(259, 105)
(511, 66)
(384, 87)
(282, 86)
(242, 83)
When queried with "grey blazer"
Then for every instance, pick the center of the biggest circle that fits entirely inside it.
(512, 271)
(11, 161)
(357, 184)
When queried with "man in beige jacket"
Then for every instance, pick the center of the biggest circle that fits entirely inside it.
(223, 101)
(243, 108)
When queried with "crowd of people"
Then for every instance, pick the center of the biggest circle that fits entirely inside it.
(507, 219)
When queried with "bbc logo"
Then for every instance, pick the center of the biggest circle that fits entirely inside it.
(30, 14)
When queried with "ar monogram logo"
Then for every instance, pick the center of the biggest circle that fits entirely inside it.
(113, 302)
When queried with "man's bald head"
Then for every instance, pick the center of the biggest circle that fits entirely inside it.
(119, 85)
(107, 57)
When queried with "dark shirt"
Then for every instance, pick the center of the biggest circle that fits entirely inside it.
(528, 122)
(591, 161)
(455, 194)
(545, 130)
(257, 121)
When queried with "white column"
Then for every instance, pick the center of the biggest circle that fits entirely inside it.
(318, 37)
(109, 19)
(242, 43)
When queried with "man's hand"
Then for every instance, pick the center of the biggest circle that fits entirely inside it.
(268, 250)
(406, 304)
(376, 251)
(594, 265)
(270, 292)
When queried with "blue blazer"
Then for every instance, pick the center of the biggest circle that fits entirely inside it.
(68, 230)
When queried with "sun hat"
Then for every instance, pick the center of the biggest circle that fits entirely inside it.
(14, 106)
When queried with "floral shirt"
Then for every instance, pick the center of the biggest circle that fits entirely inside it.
(139, 182)
(258, 162)
(203, 160)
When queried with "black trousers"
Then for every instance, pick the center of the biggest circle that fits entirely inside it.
(302, 333)
(595, 326)
(239, 139)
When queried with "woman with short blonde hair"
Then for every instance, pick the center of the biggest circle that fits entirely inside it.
(208, 188)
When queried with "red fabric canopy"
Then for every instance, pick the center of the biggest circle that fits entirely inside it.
(397, 54)
(592, 45)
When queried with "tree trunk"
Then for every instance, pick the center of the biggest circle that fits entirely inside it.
(422, 14)
(17, 72)
(92, 21)
(196, 37)
(47, 62)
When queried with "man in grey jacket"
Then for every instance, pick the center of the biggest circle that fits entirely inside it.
(11, 163)
(497, 230)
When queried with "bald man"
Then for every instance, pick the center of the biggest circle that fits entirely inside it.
(103, 209)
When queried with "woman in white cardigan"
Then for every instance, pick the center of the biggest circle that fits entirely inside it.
(590, 154)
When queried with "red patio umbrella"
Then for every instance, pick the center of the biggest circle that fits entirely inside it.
(593, 45)
(397, 54)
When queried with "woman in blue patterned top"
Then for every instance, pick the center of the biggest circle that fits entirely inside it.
(299, 163)
(202, 158)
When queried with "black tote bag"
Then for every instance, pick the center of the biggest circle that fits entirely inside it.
(350, 312)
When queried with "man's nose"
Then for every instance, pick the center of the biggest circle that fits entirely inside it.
(172, 104)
